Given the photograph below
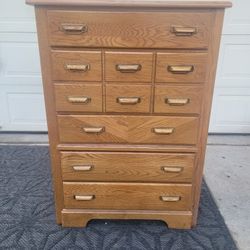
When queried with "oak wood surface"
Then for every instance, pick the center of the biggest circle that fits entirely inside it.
(128, 129)
(134, 196)
(178, 99)
(127, 167)
(136, 30)
(80, 217)
(65, 94)
(142, 93)
(197, 60)
(62, 58)
(137, 3)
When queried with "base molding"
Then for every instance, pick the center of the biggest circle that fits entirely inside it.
(80, 217)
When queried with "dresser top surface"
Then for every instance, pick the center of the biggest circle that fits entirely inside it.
(136, 3)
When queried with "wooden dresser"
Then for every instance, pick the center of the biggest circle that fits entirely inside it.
(128, 87)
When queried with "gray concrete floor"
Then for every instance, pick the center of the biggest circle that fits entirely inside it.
(227, 172)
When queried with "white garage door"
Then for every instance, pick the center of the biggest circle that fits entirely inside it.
(21, 97)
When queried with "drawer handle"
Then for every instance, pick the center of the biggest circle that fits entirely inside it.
(83, 168)
(128, 68)
(170, 198)
(79, 99)
(128, 100)
(183, 31)
(84, 197)
(172, 169)
(74, 29)
(163, 131)
(78, 67)
(177, 101)
(181, 69)
(93, 130)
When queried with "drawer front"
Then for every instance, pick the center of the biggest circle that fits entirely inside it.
(178, 99)
(181, 67)
(76, 65)
(78, 97)
(128, 66)
(171, 29)
(128, 98)
(140, 167)
(127, 196)
(128, 129)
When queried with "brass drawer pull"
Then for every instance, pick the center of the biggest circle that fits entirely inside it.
(128, 100)
(78, 67)
(183, 31)
(79, 99)
(84, 197)
(177, 101)
(172, 169)
(185, 69)
(93, 130)
(74, 29)
(170, 198)
(163, 131)
(128, 68)
(83, 168)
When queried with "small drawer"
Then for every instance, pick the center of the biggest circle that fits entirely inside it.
(128, 98)
(178, 99)
(128, 66)
(143, 196)
(78, 97)
(137, 167)
(128, 129)
(181, 67)
(172, 29)
(76, 65)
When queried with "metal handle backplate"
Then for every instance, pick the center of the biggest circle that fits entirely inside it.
(74, 29)
(92, 130)
(79, 99)
(128, 100)
(128, 68)
(77, 67)
(83, 167)
(84, 197)
(183, 31)
(170, 198)
(177, 101)
(170, 169)
(163, 131)
(180, 69)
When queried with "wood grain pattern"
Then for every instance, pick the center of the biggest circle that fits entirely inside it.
(141, 92)
(192, 93)
(197, 60)
(141, 196)
(128, 129)
(60, 58)
(127, 167)
(137, 3)
(113, 58)
(91, 91)
(132, 29)
(80, 217)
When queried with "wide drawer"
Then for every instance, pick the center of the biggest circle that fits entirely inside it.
(78, 97)
(140, 167)
(128, 98)
(189, 29)
(127, 196)
(128, 66)
(178, 99)
(76, 65)
(181, 67)
(128, 129)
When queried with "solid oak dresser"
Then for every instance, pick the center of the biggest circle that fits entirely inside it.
(128, 87)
